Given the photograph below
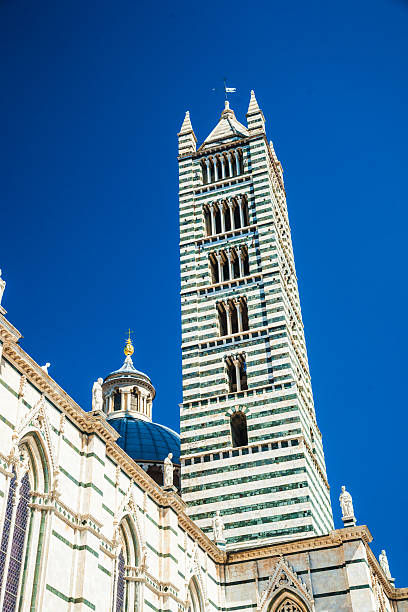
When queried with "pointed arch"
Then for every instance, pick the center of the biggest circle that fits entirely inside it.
(287, 601)
(20, 554)
(285, 591)
(129, 557)
(195, 599)
(129, 511)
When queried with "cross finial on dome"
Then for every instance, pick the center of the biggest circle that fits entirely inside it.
(129, 350)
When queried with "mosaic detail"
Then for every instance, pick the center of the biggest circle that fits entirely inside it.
(17, 547)
(120, 589)
(7, 523)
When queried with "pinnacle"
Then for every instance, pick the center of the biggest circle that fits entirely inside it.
(186, 126)
(253, 104)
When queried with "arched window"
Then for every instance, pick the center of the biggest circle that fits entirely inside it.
(20, 549)
(195, 603)
(125, 591)
(287, 602)
(236, 371)
(239, 430)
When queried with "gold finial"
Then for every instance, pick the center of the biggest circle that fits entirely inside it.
(129, 350)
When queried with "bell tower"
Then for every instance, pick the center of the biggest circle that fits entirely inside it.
(250, 444)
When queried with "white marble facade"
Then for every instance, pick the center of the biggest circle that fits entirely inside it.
(100, 534)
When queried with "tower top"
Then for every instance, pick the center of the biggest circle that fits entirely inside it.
(228, 128)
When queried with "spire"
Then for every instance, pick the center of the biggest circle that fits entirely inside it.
(186, 136)
(255, 117)
(186, 125)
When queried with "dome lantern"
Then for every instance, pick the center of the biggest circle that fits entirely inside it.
(128, 391)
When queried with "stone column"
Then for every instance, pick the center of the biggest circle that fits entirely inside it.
(238, 305)
(230, 266)
(222, 215)
(212, 213)
(237, 365)
(231, 210)
(227, 307)
(215, 168)
(237, 161)
(241, 211)
(230, 164)
(207, 163)
(241, 262)
(222, 158)
(220, 270)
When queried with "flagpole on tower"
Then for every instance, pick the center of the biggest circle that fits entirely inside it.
(228, 90)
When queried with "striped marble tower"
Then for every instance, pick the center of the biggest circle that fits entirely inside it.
(251, 447)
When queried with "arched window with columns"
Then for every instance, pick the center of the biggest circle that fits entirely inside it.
(236, 371)
(20, 550)
(232, 316)
(220, 166)
(229, 264)
(126, 592)
(222, 216)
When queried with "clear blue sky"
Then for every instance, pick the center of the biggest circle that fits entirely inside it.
(93, 94)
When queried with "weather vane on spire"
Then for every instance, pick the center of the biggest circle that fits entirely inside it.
(129, 350)
(227, 90)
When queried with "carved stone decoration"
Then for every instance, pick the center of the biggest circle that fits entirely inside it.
(128, 506)
(384, 564)
(168, 470)
(284, 582)
(194, 571)
(37, 418)
(23, 386)
(97, 395)
(346, 503)
(218, 528)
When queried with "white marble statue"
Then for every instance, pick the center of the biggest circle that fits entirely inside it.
(346, 503)
(168, 470)
(384, 564)
(218, 528)
(2, 287)
(97, 395)
(45, 367)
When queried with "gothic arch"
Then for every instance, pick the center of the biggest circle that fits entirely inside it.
(287, 601)
(196, 591)
(195, 601)
(285, 591)
(125, 591)
(24, 530)
(127, 515)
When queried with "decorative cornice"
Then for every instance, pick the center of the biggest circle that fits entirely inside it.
(334, 538)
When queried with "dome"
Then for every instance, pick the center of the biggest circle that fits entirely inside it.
(145, 441)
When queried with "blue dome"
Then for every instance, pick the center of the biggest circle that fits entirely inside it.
(146, 441)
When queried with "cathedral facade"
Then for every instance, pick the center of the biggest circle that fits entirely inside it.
(107, 510)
